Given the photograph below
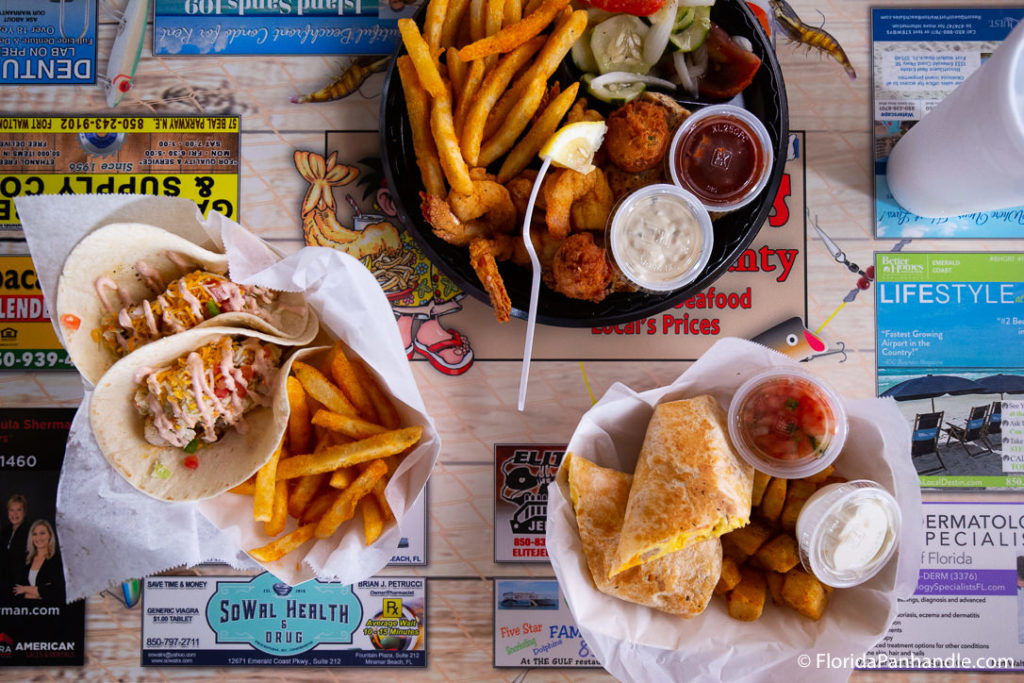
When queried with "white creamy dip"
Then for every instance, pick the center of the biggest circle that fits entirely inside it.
(861, 530)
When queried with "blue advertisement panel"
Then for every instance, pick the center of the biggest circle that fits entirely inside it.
(52, 43)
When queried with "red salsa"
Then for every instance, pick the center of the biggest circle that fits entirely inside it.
(787, 418)
(721, 159)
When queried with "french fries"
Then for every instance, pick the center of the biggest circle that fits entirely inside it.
(347, 472)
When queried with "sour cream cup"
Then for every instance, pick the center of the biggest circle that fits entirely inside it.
(660, 237)
(722, 154)
(787, 423)
(847, 532)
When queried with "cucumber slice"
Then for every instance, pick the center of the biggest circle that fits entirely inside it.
(614, 93)
(693, 36)
(684, 17)
(582, 55)
(618, 44)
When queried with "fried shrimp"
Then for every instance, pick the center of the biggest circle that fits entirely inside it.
(592, 209)
(483, 256)
(489, 202)
(447, 226)
(580, 269)
(638, 136)
(564, 188)
(519, 189)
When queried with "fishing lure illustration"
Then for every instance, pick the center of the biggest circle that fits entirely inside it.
(796, 30)
(125, 53)
(359, 69)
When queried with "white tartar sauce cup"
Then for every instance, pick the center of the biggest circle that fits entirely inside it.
(847, 532)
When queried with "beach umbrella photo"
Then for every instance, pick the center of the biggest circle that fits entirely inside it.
(1003, 384)
(930, 386)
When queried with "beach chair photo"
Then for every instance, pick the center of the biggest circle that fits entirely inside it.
(973, 430)
(925, 440)
(994, 423)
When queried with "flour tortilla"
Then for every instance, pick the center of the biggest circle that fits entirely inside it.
(679, 583)
(119, 428)
(113, 251)
(689, 483)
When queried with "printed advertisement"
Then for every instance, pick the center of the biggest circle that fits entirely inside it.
(37, 627)
(918, 57)
(412, 548)
(972, 574)
(280, 27)
(27, 339)
(175, 156)
(534, 628)
(949, 332)
(51, 43)
(260, 621)
(521, 476)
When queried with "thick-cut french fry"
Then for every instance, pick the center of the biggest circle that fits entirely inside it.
(443, 127)
(333, 457)
(302, 493)
(477, 20)
(344, 376)
(452, 21)
(299, 430)
(385, 508)
(531, 6)
(344, 506)
(279, 513)
(343, 477)
(473, 80)
(513, 12)
(373, 523)
(511, 37)
(284, 545)
(545, 126)
(433, 25)
(386, 413)
(495, 17)
(263, 493)
(536, 78)
(246, 488)
(456, 71)
(318, 506)
(321, 388)
(349, 426)
(491, 89)
(417, 102)
(422, 57)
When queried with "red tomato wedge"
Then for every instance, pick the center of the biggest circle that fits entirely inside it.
(640, 8)
(730, 67)
(761, 17)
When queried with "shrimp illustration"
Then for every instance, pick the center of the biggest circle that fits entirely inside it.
(348, 82)
(819, 39)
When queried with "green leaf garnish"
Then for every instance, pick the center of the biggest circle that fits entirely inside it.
(792, 403)
(212, 307)
(160, 471)
(192, 446)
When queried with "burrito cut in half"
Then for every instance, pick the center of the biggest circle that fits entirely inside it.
(689, 484)
(679, 583)
(126, 285)
(191, 415)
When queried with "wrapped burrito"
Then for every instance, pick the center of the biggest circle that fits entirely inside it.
(689, 484)
(192, 415)
(679, 583)
(126, 285)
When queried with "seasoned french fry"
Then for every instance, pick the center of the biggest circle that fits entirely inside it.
(457, 70)
(246, 488)
(477, 20)
(333, 457)
(422, 57)
(473, 80)
(382, 501)
(550, 57)
(545, 126)
(279, 513)
(433, 24)
(511, 37)
(442, 126)
(386, 413)
(299, 429)
(343, 477)
(349, 426)
(418, 104)
(320, 388)
(490, 91)
(452, 21)
(344, 376)
(373, 523)
(302, 493)
(284, 545)
(319, 505)
(344, 506)
(513, 12)
(263, 494)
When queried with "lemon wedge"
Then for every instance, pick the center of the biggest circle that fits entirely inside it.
(573, 146)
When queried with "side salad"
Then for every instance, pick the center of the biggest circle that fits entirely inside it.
(673, 45)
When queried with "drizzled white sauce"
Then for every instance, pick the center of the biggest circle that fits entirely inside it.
(659, 238)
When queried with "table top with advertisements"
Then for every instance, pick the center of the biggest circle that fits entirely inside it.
(246, 113)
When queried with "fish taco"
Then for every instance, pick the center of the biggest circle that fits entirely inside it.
(191, 415)
(126, 285)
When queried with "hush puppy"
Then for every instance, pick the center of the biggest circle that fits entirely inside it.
(637, 136)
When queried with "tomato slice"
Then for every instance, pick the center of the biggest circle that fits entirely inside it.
(762, 17)
(640, 8)
(191, 462)
(71, 321)
(730, 67)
